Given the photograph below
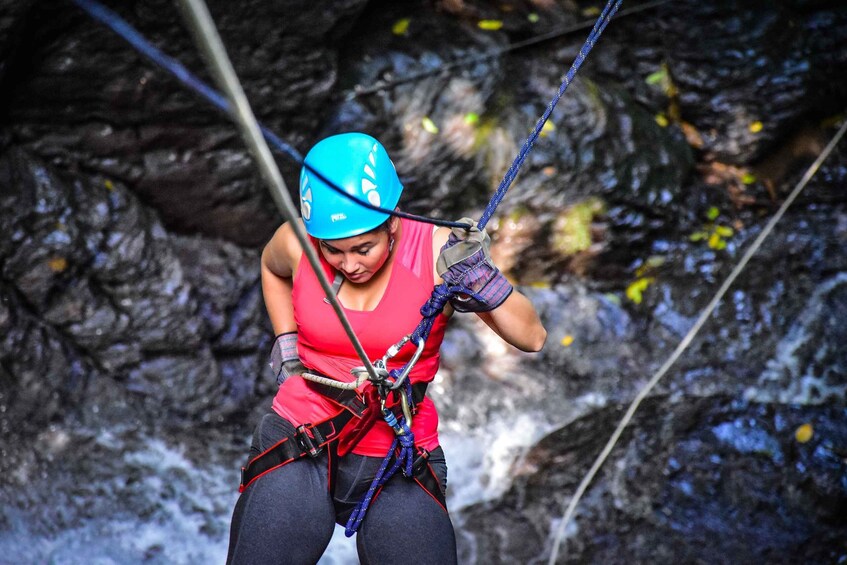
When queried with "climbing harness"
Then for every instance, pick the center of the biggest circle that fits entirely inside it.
(310, 439)
(686, 341)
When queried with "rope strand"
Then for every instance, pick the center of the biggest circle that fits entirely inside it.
(686, 341)
(176, 69)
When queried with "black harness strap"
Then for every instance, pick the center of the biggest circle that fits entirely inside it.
(311, 439)
(308, 439)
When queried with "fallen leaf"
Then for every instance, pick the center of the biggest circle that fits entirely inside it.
(713, 213)
(401, 27)
(429, 125)
(58, 264)
(490, 25)
(804, 433)
(636, 289)
(567, 340)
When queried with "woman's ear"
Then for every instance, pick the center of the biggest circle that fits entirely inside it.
(393, 224)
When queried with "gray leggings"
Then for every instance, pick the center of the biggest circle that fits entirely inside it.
(288, 515)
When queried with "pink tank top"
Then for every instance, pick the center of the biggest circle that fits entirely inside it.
(325, 348)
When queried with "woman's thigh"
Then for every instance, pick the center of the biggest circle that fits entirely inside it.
(405, 524)
(286, 515)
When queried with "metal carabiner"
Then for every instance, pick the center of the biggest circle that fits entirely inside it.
(408, 368)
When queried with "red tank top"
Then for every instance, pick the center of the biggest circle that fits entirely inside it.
(324, 347)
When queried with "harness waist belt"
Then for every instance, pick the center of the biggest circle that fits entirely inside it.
(310, 439)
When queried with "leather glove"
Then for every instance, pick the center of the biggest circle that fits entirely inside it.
(465, 260)
(284, 360)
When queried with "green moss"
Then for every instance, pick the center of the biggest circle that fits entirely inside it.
(572, 228)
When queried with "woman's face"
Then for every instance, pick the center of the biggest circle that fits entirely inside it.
(359, 257)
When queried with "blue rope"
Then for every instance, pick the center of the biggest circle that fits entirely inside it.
(403, 447)
(120, 26)
(442, 293)
(601, 23)
(402, 451)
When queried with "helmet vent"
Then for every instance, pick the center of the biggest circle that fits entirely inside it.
(369, 186)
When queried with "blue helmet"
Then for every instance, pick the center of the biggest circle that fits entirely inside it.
(359, 165)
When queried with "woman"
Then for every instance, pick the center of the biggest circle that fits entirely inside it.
(302, 479)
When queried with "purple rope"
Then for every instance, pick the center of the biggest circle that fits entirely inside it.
(601, 23)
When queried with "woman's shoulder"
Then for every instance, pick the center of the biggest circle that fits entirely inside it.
(283, 251)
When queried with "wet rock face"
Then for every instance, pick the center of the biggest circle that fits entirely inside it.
(734, 65)
(95, 288)
(113, 112)
(133, 220)
(703, 480)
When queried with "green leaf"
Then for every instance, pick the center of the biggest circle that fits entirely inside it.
(471, 118)
(713, 213)
(533, 18)
(657, 77)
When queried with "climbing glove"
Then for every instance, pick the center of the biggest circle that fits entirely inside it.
(465, 261)
(285, 361)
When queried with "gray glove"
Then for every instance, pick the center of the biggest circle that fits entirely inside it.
(284, 360)
(465, 261)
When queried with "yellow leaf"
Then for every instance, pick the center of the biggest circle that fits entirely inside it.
(756, 127)
(429, 125)
(724, 231)
(715, 241)
(662, 120)
(567, 340)
(401, 27)
(636, 289)
(108, 184)
(748, 178)
(591, 11)
(547, 128)
(490, 25)
(58, 264)
(804, 433)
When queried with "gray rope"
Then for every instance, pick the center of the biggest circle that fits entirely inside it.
(209, 42)
(686, 341)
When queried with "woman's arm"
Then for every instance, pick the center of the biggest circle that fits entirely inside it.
(516, 320)
(279, 262)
